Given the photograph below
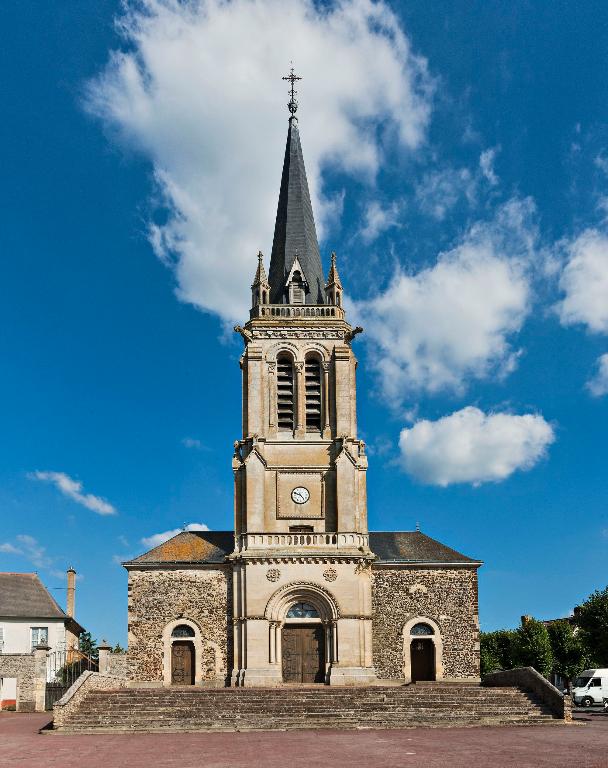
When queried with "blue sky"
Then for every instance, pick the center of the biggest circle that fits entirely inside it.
(458, 162)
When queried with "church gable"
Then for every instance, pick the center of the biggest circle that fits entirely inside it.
(190, 547)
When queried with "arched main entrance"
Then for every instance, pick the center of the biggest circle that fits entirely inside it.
(303, 639)
(303, 645)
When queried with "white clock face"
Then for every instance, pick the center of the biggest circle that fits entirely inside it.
(300, 495)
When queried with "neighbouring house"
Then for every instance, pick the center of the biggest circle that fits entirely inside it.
(30, 616)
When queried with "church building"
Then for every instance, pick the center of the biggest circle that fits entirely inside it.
(300, 591)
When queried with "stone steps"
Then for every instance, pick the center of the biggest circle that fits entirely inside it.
(231, 709)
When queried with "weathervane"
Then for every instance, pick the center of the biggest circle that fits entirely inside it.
(293, 104)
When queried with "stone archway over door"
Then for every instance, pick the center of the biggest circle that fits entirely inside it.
(182, 662)
(426, 630)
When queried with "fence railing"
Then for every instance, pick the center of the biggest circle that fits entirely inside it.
(62, 670)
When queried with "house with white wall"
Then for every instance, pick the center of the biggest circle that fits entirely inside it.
(30, 616)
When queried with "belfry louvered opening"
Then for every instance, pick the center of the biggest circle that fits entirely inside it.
(285, 392)
(312, 373)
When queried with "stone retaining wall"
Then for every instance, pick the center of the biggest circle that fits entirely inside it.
(531, 680)
(30, 671)
(448, 597)
(70, 702)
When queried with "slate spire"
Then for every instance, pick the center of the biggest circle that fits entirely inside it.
(294, 230)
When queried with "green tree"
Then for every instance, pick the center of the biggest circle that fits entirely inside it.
(592, 620)
(569, 653)
(118, 648)
(497, 650)
(88, 645)
(533, 647)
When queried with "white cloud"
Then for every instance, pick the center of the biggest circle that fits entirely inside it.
(10, 549)
(192, 442)
(73, 490)
(197, 90)
(377, 219)
(159, 538)
(28, 547)
(469, 446)
(584, 281)
(438, 191)
(486, 165)
(598, 384)
(435, 329)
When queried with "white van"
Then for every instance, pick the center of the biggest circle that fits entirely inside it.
(590, 687)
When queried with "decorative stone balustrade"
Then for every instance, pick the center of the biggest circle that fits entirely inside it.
(306, 542)
(303, 311)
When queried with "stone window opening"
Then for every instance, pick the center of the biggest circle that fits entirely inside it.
(285, 393)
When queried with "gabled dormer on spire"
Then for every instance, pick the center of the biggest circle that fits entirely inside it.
(296, 284)
(333, 289)
(295, 234)
(260, 288)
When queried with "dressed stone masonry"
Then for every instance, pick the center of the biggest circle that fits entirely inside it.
(300, 591)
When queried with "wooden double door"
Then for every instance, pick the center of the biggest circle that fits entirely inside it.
(423, 659)
(303, 653)
(182, 663)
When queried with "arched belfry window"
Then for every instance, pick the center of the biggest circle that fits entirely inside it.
(285, 392)
(312, 374)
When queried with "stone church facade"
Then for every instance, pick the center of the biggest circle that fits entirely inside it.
(300, 591)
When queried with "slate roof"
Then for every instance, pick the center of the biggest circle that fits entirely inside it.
(23, 595)
(412, 547)
(191, 547)
(294, 229)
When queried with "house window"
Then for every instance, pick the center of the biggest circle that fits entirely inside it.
(40, 636)
(312, 372)
(285, 398)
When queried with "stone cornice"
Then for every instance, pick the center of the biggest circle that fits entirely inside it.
(418, 565)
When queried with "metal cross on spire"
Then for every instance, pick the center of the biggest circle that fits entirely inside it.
(293, 104)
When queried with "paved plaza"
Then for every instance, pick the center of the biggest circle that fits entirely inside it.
(583, 743)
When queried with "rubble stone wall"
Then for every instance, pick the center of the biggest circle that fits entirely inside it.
(157, 597)
(23, 667)
(446, 596)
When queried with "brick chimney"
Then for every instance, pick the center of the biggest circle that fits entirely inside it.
(71, 592)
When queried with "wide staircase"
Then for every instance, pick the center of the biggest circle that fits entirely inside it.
(262, 709)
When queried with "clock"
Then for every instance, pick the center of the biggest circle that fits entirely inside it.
(300, 495)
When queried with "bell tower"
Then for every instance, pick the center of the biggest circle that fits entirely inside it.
(299, 467)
